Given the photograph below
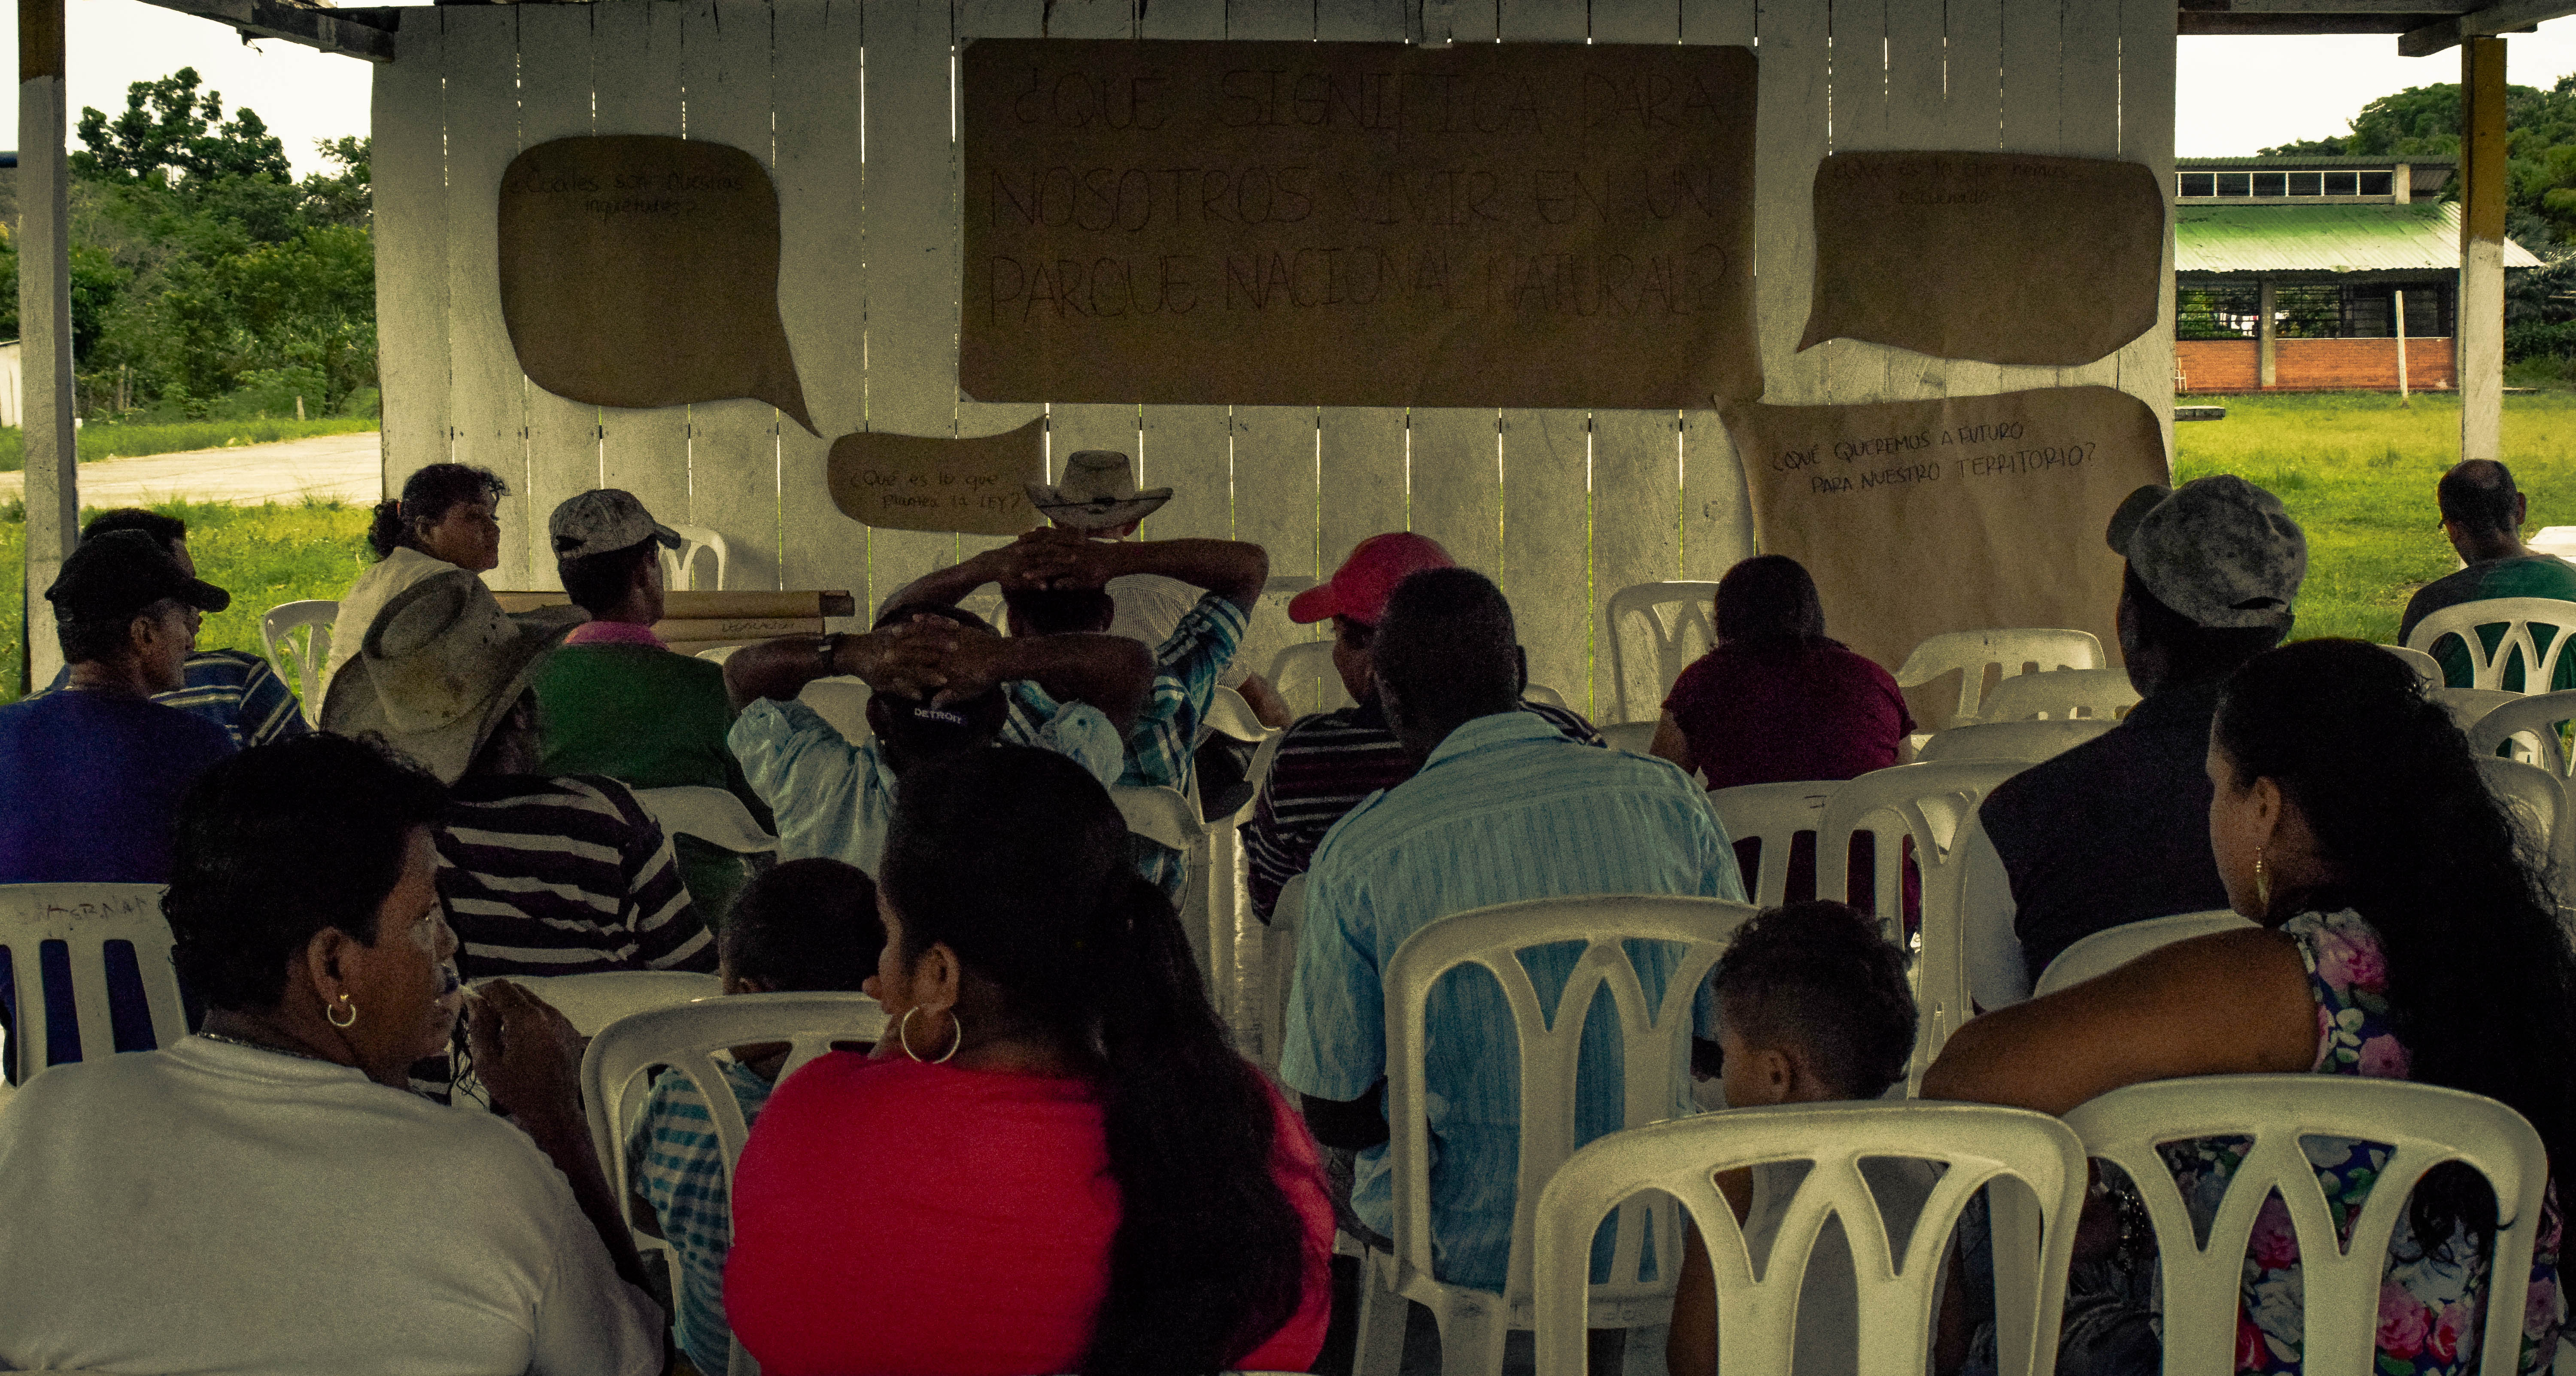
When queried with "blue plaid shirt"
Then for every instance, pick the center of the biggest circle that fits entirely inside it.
(676, 1164)
(235, 690)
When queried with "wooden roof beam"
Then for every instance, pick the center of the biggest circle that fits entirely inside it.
(2504, 16)
(366, 35)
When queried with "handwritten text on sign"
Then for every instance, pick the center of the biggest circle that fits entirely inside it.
(1358, 224)
(913, 482)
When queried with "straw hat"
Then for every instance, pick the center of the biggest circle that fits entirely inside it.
(440, 668)
(1097, 492)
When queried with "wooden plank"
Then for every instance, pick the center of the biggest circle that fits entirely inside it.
(636, 78)
(1789, 142)
(1716, 516)
(1547, 556)
(1362, 21)
(1457, 485)
(1361, 483)
(1729, 22)
(1636, 520)
(410, 169)
(481, 66)
(555, 101)
(1636, 21)
(1092, 425)
(1274, 486)
(2088, 62)
(1189, 449)
(2147, 55)
(1543, 21)
(994, 19)
(311, 26)
(1918, 74)
(1280, 20)
(1855, 371)
(734, 446)
(816, 66)
(1972, 119)
(2032, 116)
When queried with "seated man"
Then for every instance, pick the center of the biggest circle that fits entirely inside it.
(2482, 513)
(1505, 808)
(234, 689)
(937, 675)
(93, 771)
(2116, 830)
(616, 701)
(542, 875)
(1330, 761)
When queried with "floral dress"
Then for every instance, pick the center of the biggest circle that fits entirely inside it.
(2428, 1317)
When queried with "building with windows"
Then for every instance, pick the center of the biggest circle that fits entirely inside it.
(2316, 273)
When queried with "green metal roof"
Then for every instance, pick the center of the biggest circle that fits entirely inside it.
(2417, 237)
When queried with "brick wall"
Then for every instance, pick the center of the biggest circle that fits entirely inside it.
(2220, 365)
(2233, 365)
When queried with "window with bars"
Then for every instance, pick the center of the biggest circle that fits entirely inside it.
(2283, 185)
(2310, 311)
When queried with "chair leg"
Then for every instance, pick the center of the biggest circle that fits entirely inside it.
(1471, 1338)
(1380, 1350)
(1643, 1355)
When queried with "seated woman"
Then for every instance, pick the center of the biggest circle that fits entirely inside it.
(445, 519)
(2405, 934)
(267, 1195)
(1053, 1162)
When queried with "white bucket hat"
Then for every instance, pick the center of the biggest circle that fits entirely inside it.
(440, 668)
(1097, 492)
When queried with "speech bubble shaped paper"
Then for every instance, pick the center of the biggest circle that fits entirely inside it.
(642, 271)
(917, 482)
(2004, 257)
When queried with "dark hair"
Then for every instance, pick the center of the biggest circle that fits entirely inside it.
(1016, 859)
(1447, 647)
(596, 583)
(1822, 977)
(2196, 653)
(169, 531)
(2478, 494)
(427, 497)
(806, 924)
(1061, 611)
(1769, 601)
(2481, 979)
(279, 842)
(913, 731)
(84, 642)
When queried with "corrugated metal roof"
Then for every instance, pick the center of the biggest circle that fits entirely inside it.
(2294, 164)
(2324, 238)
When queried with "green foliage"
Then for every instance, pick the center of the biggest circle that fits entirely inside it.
(128, 441)
(2424, 122)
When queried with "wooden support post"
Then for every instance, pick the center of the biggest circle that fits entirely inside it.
(2263, 335)
(2397, 309)
(45, 324)
(2482, 176)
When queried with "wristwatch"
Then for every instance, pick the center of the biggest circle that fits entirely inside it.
(827, 651)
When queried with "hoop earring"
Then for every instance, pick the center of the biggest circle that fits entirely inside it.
(903, 1037)
(331, 1013)
(2262, 884)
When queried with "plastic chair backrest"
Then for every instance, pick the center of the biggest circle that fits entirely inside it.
(1540, 692)
(1679, 627)
(680, 566)
(299, 659)
(2425, 1124)
(2469, 706)
(2530, 721)
(56, 938)
(1898, 1296)
(842, 701)
(1635, 737)
(710, 814)
(2028, 741)
(2425, 666)
(1162, 815)
(2059, 695)
(2113, 947)
(1972, 651)
(1309, 662)
(1655, 1043)
(594, 999)
(2538, 804)
(1230, 716)
(2517, 615)
(1774, 814)
(1932, 803)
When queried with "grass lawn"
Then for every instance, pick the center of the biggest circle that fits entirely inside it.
(262, 555)
(133, 441)
(2357, 471)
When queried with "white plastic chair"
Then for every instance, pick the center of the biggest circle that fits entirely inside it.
(2102, 694)
(1635, 737)
(1971, 651)
(686, 1038)
(1656, 1046)
(299, 659)
(593, 1000)
(1309, 662)
(1773, 814)
(1678, 625)
(2538, 803)
(841, 700)
(2469, 706)
(1540, 692)
(1168, 818)
(2517, 615)
(2113, 947)
(680, 566)
(2425, 666)
(1932, 803)
(83, 919)
(1279, 967)
(710, 814)
(2426, 1124)
(1898, 1297)
(2530, 723)
(2027, 741)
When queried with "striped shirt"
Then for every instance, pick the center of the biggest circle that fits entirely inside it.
(235, 690)
(677, 1165)
(1507, 808)
(1326, 764)
(563, 876)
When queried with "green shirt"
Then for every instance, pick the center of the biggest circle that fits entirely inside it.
(2537, 576)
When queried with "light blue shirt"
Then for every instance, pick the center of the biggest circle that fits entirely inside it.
(834, 799)
(1507, 808)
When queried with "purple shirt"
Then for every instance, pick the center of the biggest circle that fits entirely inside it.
(94, 781)
(1758, 715)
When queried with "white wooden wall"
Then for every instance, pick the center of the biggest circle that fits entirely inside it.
(850, 103)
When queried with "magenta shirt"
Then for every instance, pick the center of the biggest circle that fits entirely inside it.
(1763, 716)
(614, 633)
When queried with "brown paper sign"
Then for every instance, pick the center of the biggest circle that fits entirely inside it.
(914, 482)
(2004, 257)
(642, 271)
(1358, 224)
(1918, 517)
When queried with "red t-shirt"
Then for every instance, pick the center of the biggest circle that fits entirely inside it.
(1765, 716)
(891, 1216)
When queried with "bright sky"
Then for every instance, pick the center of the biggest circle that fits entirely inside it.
(2237, 94)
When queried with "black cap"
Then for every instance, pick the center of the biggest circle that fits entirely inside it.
(113, 576)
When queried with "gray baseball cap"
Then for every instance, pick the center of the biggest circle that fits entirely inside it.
(602, 521)
(2219, 551)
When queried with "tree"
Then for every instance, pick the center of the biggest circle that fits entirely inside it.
(172, 136)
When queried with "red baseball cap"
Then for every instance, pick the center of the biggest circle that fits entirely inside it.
(1360, 587)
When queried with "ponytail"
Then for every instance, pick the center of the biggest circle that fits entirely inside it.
(385, 530)
(426, 498)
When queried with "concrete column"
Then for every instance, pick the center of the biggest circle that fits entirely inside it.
(45, 323)
(2481, 307)
(2403, 183)
(2263, 335)
(2397, 309)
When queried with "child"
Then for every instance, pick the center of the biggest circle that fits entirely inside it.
(805, 925)
(1812, 1007)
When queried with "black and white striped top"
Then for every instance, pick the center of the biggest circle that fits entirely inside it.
(563, 876)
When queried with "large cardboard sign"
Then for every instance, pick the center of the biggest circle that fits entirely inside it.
(1358, 224)
(638, 270)
(915, 482)
(2005, 257)
(1918, 517)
